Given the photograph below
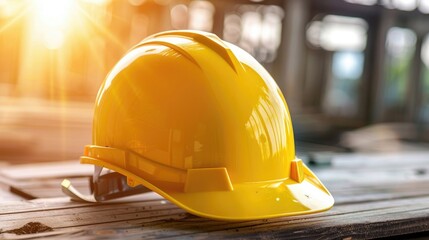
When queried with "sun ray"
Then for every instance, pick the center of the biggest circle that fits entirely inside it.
(13, 20)
(85, 33)
(104, 31)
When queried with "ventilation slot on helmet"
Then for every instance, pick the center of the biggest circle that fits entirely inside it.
(208, 39)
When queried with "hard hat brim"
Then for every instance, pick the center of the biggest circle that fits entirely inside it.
(247, 201)
(260, 200)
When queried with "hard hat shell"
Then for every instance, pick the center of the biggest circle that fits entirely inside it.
(202, 123)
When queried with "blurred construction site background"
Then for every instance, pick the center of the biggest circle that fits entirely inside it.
(355, 73)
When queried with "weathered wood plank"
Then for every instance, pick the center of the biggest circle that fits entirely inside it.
(47, 188)
(370, 202)
(42, 180)
(158, 219)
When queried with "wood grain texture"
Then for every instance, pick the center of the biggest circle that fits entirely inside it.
(153, 217)
(371, 202)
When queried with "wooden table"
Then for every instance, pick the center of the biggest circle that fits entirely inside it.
(377, 195)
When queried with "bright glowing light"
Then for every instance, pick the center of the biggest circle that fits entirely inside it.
(400, 41)
(201, 15)
(424, 6)
(405, 5)
(9, 8)
(251, 24)
(271, 28)
(255, 28)
(335, 33)
(98, 2)
(363, 2)
(51, 20)
(387, 4)
(53, 39)
(424, 54)
(348, 65)
(52, 13)
(63, 45)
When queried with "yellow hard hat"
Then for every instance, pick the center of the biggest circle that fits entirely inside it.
(202, 123)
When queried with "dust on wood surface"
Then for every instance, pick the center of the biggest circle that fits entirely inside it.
(30, 228)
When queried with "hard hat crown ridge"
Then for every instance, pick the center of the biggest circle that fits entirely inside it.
(202, 123)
